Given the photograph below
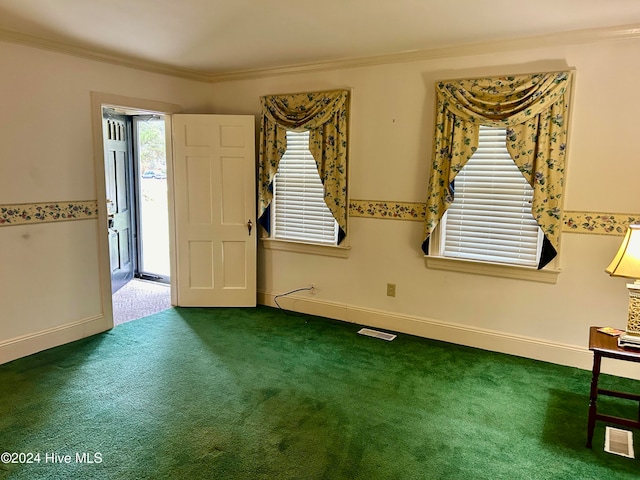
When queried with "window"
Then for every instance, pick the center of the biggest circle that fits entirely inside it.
(490, 218)
(299, 209)
(535, 110)
(319, 151)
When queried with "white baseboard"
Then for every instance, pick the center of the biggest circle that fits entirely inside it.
(29, 344)
(495, 341)
(537, 349)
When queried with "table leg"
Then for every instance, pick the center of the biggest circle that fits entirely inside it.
(593, 397)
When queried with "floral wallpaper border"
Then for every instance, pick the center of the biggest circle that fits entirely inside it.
(597, 223)
(573, 221)
(388, 210)
(30, 213)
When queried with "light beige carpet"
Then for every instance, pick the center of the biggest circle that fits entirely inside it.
(140, 298)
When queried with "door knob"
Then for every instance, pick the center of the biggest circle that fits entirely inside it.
(249, 226)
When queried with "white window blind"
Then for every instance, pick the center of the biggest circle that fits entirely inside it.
(299, 211)
(490, 219)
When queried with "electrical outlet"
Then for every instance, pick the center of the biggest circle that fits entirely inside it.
(391, 289)
(312, 286)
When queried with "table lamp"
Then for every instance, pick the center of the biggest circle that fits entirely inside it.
(626, 263)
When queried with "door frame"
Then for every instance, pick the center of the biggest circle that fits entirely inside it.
(128, 105)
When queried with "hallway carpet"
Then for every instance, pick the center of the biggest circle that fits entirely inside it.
(140, 298)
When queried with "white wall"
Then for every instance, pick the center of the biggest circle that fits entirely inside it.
(391, 140)
(49, 282)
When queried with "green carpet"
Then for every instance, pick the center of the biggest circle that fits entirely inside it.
(261, 394)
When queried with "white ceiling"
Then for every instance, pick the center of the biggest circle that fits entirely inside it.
(219, 36)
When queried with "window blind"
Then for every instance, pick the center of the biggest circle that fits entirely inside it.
(490, 218)
(300, 212)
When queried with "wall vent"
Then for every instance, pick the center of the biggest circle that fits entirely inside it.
(619, 442)
(376, 334)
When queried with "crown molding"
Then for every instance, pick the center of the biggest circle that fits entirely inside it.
(572, 37)
(101, 56)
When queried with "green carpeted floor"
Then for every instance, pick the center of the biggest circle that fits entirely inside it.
(259, 394)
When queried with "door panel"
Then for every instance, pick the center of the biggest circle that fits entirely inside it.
(233, 257)
(233, 192)
(118, 171)
(214, 184)
(199, 192)
(201, 265)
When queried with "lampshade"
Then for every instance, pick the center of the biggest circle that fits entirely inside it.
(626, 263)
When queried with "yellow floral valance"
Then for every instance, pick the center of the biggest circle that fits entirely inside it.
(534, 109)
(324, 115)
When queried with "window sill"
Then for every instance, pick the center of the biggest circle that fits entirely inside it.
(546, 275)
(300, 247)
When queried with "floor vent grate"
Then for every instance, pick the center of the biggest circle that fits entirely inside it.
(619, 442)
(376, 334)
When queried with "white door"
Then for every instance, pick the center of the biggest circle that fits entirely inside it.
(214, 191)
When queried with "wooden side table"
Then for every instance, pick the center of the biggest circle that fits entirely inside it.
(603, 345)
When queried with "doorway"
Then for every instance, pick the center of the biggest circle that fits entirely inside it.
(137, 211)
(211, 185)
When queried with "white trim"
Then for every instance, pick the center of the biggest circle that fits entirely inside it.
(301, 247)
(572, 37)
(491, 340)
(101, 56)
(35, 342)
(545, 275)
